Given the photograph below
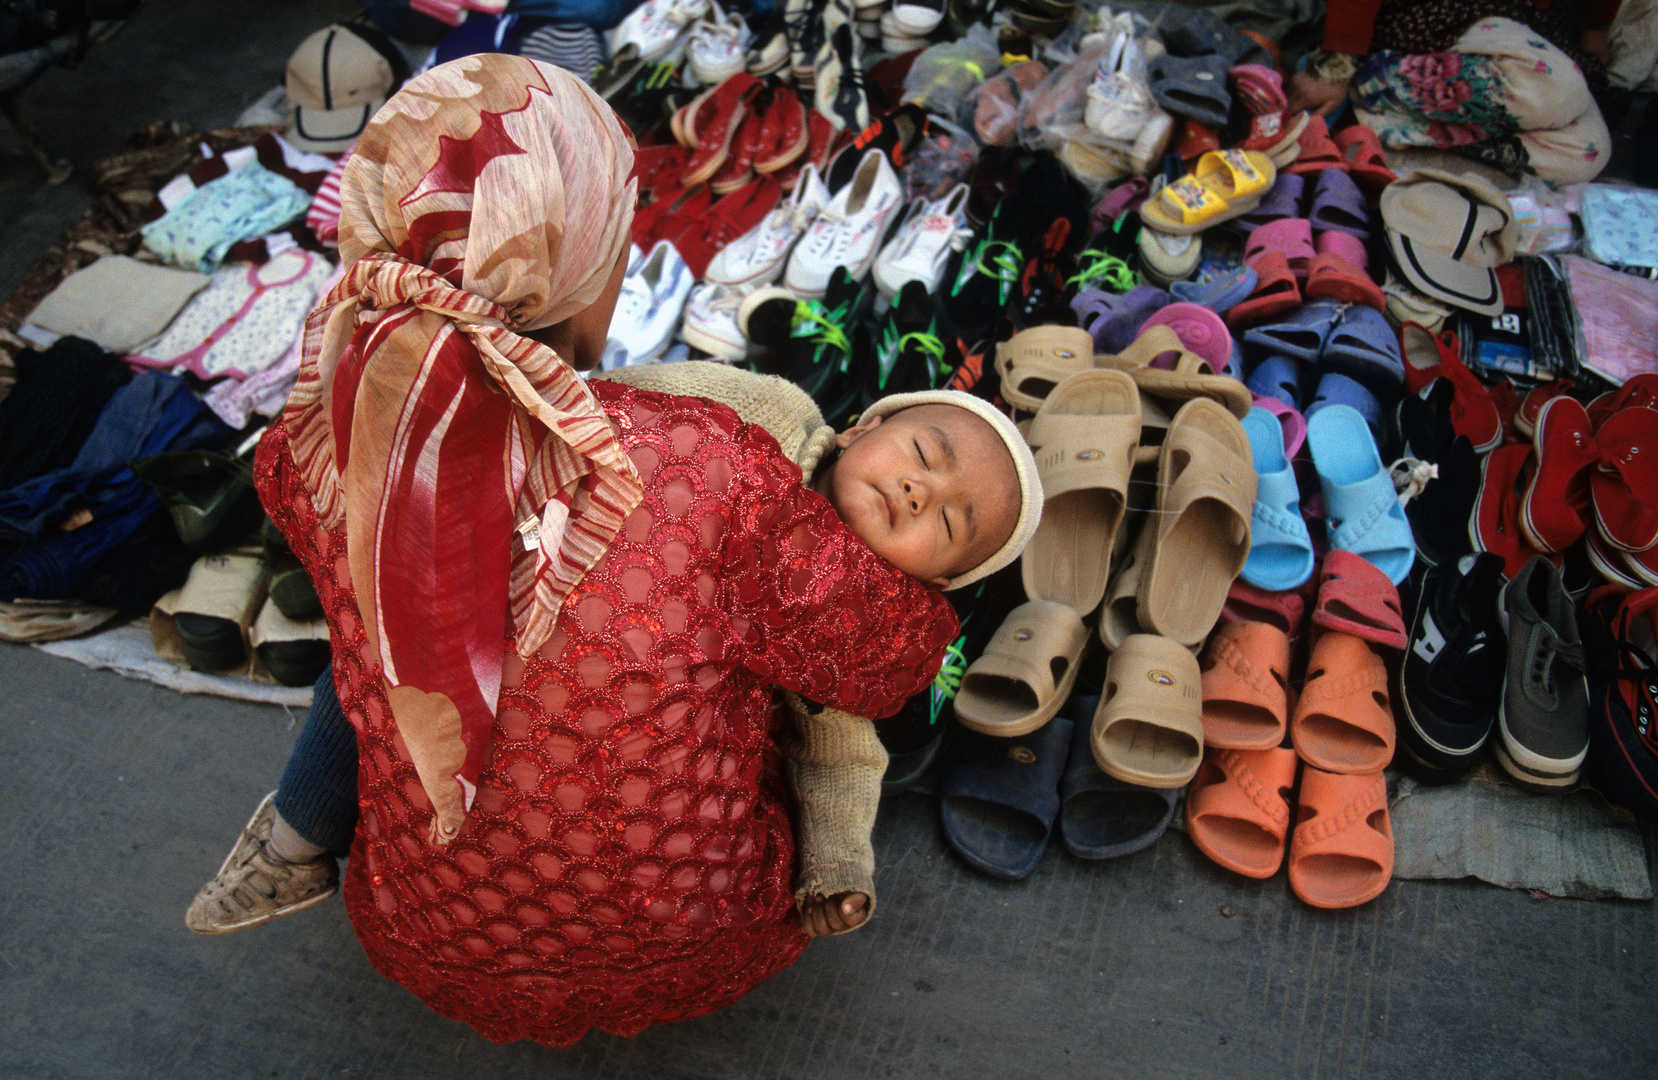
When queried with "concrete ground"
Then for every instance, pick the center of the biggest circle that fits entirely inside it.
(118, 799)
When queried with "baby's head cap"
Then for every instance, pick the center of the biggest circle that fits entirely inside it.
(1024, 466)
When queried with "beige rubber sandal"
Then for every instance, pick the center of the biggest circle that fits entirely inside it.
(1148, 729)
(1206, 495)
(1083, 437)
(1026, 672)
(1033, 362)
(1190, 377)
(1120, 617)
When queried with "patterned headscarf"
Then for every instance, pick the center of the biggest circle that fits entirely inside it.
(477, 478)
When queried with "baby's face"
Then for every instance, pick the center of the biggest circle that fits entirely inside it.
(931, 489)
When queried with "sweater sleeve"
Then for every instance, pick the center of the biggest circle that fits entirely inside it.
(1349, 25)
(835, 764)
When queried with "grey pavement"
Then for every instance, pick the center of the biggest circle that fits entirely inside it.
(118, 799)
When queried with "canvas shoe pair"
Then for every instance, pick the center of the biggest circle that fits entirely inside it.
(711, 320)
(848, 231)
(923, 244)
(649, 307)
(656, 27)
(759, 255)
(718, 46)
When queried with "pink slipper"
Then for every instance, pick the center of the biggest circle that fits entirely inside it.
(1289, 418)
(1348, 246)
(1200, 330)
(1291, 236)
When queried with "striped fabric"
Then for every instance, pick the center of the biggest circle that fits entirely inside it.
(324, 216)
(477, 478)
(575, 47)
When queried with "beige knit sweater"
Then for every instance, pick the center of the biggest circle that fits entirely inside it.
(835, 760)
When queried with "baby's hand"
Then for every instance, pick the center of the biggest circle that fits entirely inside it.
(829, 915)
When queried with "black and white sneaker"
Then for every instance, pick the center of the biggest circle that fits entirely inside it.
(1450, 682)
(839, 86)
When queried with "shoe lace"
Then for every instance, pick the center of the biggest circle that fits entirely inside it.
(812, 321)
(1410, 477)
(1099, 266)
(947, 683)
(999, 259)
(1547, 649)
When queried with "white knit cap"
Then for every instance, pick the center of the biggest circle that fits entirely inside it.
(1024, 466)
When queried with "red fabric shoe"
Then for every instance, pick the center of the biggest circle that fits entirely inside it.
(1625, 486)
(716, 123)
(674, 216)
(1531, 406)
(658, 168)
(1495, 523)
(1552, 513)
(820, 140)
(739, 163)
(726, 220)
(1428, 357)
(784, 135)
(1193, 140)
(1640, 392)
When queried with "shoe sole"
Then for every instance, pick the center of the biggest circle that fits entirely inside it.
(788, 157)
(269, 916)
(763, 277)
(710, 344)
(1528, 528)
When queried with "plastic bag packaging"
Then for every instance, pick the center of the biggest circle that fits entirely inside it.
(945, 74)
(991, 111)
(1544, 218)
(939, 162)
(1048, 114)
(1620, 224)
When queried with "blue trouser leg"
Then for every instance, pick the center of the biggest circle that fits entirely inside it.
(318, 792)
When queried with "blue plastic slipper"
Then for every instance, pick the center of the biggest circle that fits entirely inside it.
(1234, 368)
(1360, 505)
(999, 797)
(1280, 548)
(1365, 346)
(1299, 337)
(1101, 817)
(1334, 388)
(1220, 295)
(1277, 377)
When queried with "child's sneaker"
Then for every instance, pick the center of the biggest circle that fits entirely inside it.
(254, 886)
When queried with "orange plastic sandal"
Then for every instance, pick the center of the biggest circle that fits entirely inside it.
(1341, 854)
(1238, 811)
(1343, 722)
(1245, 687)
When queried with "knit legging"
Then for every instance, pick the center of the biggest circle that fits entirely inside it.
(318, 791)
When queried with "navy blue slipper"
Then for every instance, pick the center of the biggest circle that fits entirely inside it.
(1101, 817)
(999, 797)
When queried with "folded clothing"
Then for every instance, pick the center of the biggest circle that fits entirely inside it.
(250, 202)
(245, 320)
(117, 302)
(55, 528)
(53, 407)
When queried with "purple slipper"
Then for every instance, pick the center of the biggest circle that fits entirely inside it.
(1283, 200)
(1199, 329)
(1277, 377)
(1115, 321)
(1337, 389)
(1301, 336)
(1126, 196)
(1220, 295)
(1364, 346)
(1339, 205)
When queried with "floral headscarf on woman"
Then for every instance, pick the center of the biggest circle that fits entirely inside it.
(477, 477)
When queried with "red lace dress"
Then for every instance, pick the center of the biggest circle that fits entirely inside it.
(628, 857)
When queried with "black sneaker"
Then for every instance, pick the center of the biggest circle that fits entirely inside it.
(1439, 515)
(909, 355)
(979, 279)
(1110, 261)
(1040, 299)
(644, 96)
(809, 342)
(1623, 696)
(1450, 681)
(895, 135)
(1543, 723)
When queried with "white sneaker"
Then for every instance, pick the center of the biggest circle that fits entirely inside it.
(1119, 101)
(648, 309)
(757, 256)
(718, 48)
(848, 230)
(655, 26)
(711, 320)
(918, 18)
(923, 244)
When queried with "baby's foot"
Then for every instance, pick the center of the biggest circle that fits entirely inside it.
(255, 885)
(821, 915)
